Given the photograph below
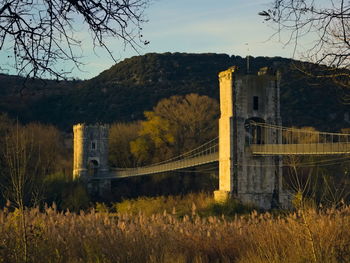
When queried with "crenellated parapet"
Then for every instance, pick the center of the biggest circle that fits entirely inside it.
(227, 74)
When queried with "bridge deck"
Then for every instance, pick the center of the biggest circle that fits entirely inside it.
(176, 165)
(256, 149)
(301, 149)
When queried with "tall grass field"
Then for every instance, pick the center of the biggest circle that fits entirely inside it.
(187, 234)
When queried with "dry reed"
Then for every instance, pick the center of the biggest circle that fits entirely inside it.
(103, 237)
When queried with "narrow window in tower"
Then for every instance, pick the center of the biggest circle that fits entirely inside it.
(255, 103)
(93, 145)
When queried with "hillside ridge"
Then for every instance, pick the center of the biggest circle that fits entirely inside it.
(136, 84)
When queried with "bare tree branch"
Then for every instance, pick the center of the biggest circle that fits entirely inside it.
(327, 24)
(42, 32)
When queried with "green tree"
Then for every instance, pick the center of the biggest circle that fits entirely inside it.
(176, 125)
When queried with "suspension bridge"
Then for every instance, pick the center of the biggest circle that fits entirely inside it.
(261, 141)
(248, 150)
(204, 154)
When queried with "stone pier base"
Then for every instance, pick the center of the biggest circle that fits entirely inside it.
(104, 188)
(286, 200)
(261, 201)
(99, 189)
(221, 196)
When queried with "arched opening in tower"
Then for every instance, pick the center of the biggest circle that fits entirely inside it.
(255, 134)
(93, 168)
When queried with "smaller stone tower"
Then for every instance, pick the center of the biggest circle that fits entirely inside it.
(90, 151)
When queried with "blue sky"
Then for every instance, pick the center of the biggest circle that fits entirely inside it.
(193, 26)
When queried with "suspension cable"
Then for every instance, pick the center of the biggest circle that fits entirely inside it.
(186, 154)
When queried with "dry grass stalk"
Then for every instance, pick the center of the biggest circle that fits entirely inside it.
(103, 237)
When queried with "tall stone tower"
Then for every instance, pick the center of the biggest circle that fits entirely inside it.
(90, 151)
(245, 99)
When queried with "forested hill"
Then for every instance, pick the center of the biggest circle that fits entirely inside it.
(134, 85)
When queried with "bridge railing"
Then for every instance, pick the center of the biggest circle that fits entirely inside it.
(272, 139)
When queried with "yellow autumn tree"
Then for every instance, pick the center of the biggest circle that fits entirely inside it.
(176, 125)
(120, 135)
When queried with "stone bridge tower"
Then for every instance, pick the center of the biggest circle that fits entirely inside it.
(90, 161)
(245, 98)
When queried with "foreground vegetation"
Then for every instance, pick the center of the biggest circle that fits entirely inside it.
(52, 236)
(201, 204)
